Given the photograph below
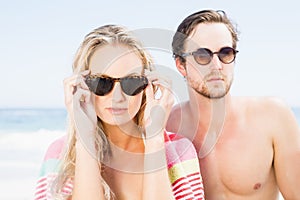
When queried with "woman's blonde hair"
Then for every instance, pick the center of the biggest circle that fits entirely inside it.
(104, 35)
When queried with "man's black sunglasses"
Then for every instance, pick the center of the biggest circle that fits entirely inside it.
(204, 56)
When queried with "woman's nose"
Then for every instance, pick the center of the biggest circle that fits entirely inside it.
(118, 94)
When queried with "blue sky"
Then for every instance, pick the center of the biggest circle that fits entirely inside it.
(39, 38)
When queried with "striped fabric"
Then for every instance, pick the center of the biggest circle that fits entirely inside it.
(49, 172)
(183, 168)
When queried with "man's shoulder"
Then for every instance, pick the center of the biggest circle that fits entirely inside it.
(261, 103)
(265, 103)
(271, 109)
(278, 110)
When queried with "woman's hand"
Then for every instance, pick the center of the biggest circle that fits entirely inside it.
(80, 106)
(156, 115)
(158, 107)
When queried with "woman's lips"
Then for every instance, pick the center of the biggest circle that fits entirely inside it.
(117, 111)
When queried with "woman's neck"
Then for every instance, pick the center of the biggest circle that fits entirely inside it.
(127, 136)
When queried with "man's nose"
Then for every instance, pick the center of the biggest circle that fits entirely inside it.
(216, 63)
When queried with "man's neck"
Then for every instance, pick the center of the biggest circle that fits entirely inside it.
(206, 111)
(210, 116)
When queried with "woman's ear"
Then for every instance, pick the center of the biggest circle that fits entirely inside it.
(180, 66)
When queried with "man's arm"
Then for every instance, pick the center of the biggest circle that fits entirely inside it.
(286, 143)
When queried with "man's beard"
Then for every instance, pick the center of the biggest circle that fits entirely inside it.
(216, 91)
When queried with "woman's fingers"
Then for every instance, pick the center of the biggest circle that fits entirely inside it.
(160, 81)
(85, 73)
(149, 92)
(158, 105)
(81, 97)
(76, 79)
(164, 85)
(71, 84)
(165, 94)
(80, 104)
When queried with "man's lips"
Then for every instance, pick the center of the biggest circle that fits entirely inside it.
(215, 79)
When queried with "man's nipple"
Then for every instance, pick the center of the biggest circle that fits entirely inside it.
(257, 186)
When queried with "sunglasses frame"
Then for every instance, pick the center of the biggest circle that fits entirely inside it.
(211, 54)
(90, 78)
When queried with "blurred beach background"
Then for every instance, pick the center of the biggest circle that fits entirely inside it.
(25, 135)
(39, 39)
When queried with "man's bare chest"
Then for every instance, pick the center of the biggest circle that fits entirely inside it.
(240, 162)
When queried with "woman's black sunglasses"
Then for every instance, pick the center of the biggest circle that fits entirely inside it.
(204, 56)
(102, 85)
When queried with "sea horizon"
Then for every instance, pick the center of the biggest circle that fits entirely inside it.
(35, 118)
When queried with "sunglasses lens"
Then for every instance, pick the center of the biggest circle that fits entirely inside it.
(134, 85)
(202, 56)
(131, 85)
(227, 55)
(100, 85)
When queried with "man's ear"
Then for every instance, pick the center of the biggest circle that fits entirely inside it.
(180, 66)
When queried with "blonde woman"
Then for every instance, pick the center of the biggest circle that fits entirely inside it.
(116, 146)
